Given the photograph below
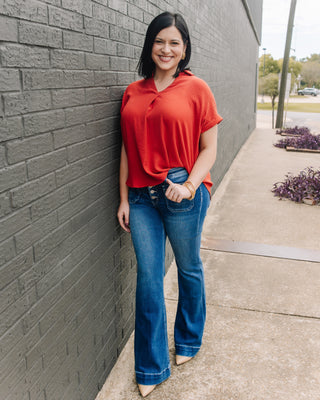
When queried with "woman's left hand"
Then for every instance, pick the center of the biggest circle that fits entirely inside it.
(177, 192)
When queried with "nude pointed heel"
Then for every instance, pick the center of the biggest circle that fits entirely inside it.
(182, 359)
(145, 390)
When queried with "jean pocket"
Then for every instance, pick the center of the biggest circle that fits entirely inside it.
(134, 195)
(178, 175)
(184, 206)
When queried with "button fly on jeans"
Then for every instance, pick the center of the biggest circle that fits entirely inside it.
(152, 192)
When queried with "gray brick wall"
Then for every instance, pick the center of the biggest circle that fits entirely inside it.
(67, 272)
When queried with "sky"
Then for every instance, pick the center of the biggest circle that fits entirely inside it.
(306, 31)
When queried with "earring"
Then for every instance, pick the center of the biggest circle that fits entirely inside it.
(183, 56)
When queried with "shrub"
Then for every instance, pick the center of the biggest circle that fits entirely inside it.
(305, 186)
(304, 141)
(294, 131)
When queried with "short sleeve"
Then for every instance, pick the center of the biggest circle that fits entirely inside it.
(209, 116)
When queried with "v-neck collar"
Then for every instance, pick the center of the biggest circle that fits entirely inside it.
(169, 86)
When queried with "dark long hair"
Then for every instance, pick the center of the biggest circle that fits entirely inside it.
(146, 66)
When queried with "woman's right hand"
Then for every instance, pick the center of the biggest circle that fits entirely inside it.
(123, 216)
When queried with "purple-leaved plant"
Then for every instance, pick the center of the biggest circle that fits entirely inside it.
(305, 141)
(294, 131)
(305, 186)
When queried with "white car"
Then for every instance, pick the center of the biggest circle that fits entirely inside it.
(307, 90)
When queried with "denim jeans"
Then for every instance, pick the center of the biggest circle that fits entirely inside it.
(153, 218)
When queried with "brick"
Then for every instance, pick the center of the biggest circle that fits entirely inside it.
(65, 137)
(79, 115)
(7, 251)
(45, 164)
(67, 59)
(25, 102)
(48, 203)
(83, 183)
(118, 5)
(97, 62)
(53, 2)
(19, 150)
(136, 39)
(119, 64)
(135, 12)
(8, 29)
(72, 208)
(29, 236)
(10, 128)
(77, 41)
(103, 13)
(25, 9)
(119, 34)
(10, 384)
(33, 190)
(104, 110)
(68, 97)
(125, 78)
(97, 95)
(125, 50)
(81, 6)
(126, 22)
(28, 280)
(133, 68)
(70, 172)
(96, 28)
(5, 206)
(14, 223)
(97, 128)
(11, 177)
(15, 311)
(10, 339)
(43, 122)
(15, 55)
(42, 79)
(3, 162)
(102, 2)
(139, 27)
(82, 150)
(105, 46)
(102, 78)
(16, 267)
(49, 242)
(9, 295)
(65, 19)
(78, 78)
(9, 80)
(40, 35)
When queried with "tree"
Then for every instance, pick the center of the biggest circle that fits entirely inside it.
(269, 85)
(314, 57)
(295, 68)
(267, 65)
(311, 74)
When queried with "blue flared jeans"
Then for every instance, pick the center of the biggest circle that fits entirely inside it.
(153, 218)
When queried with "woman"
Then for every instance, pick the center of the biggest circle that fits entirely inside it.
(169, 129)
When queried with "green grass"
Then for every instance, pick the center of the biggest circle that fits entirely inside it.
(295, 107)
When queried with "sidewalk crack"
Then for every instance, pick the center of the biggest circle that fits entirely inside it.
(266, 312)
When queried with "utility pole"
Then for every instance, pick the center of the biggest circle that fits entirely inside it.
(284, 72)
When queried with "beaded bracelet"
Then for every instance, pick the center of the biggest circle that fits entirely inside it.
(190, 187)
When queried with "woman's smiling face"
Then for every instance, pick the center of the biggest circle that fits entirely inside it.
(167, 51)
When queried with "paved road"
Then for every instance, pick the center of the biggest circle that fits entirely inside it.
(311, 120)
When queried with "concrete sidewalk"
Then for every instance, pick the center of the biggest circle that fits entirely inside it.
(262, 336)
